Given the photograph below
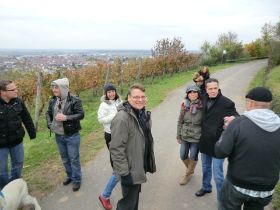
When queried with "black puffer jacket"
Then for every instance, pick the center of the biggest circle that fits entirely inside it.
(12, 115)
(73, 109)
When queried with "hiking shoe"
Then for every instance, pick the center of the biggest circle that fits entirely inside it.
(67, 181)
(105, 202)
(76, 186)
(202, 192)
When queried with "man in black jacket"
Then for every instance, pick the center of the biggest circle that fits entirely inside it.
(216, 108)
(13, 113)
(63, 118)
(251, 142)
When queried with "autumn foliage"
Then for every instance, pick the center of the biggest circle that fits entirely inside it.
(119, 71)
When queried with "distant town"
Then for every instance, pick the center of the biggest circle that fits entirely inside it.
(51, 60)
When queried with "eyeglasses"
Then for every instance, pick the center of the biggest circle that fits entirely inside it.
(54, 87)
(11, 89)
(139, 97)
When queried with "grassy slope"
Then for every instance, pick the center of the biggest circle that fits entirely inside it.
(43, 169)
(273, 83)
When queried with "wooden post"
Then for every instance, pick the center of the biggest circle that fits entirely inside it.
(38, 98)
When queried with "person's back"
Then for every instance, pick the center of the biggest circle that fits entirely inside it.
(255, 161)
(251, 143)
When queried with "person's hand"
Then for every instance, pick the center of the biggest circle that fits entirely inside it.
(60, 117)
(49, 125)
(227, 121)
(127, 180)
(179, 141)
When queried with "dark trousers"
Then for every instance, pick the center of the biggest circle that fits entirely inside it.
(107, 137)
(130, 198)
(231, 199)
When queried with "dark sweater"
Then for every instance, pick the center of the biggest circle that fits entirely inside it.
(253, 155)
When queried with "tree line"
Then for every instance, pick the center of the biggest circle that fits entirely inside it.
(169, 56)
(229, 48)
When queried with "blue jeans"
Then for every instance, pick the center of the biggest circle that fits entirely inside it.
(188, 147)
(218, 172)
(69, 149)
(110, 186)
(231, 199)
(17, 157)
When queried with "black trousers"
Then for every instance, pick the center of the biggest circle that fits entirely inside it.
(130, 198)
(231, 199)
(107, 137)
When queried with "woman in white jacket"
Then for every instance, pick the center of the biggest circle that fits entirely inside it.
(106, 112)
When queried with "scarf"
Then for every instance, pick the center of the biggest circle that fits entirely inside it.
(192, 106)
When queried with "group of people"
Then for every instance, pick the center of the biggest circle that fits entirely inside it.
(208, 123)
(63, 118)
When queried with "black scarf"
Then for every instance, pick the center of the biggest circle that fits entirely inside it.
(143, 120)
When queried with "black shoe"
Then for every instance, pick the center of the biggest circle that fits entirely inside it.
(202, 192)
(67, 181)
(76, 186)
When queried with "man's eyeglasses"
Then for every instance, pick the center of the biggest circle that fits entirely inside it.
(11, 89)
(54, 87)
(139, 97)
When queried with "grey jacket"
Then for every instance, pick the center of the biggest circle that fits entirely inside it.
(127, 146)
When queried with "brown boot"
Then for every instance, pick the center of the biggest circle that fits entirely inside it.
(183, 179)
(191, 166)
(186, 162)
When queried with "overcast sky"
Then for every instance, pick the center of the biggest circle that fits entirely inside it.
(129, 24)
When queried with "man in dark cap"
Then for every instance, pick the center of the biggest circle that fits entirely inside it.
(251, 142)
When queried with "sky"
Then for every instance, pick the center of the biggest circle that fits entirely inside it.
(129, 24)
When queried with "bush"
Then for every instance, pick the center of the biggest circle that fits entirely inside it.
(274, 58)
(273, 82)
(208, 62)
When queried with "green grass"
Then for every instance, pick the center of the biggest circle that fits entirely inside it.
(273, 83)
(258, 80)
(43, 169)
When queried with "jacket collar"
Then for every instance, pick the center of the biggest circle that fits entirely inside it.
(10, 102)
